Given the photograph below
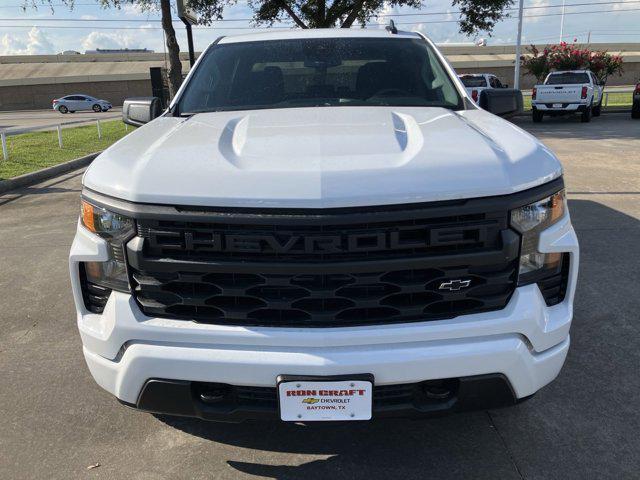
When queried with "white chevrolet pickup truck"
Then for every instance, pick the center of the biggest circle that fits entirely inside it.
(476, 83)
(324, 226)
(567, 92)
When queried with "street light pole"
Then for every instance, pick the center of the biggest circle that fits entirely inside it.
(192, 56)
(516, 75)
(562, 23)
(188, 17)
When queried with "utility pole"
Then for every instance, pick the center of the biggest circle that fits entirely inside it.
(562, 23)
(192, 55)
(516, 75)
(188, 17)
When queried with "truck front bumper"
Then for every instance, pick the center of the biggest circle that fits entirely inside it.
(523, 345)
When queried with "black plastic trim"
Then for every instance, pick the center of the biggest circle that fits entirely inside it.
(554, 284)
(335, 216)
(509, 251)
(178, 397)
(95, 296)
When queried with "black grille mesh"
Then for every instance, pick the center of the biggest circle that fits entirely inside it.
(322, 300)
(185, 270)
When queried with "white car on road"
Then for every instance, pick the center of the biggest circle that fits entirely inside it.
(567, 92)
(474, 83)
(77, 102)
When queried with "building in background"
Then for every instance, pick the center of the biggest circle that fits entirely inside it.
(32, 81)
(118, 50)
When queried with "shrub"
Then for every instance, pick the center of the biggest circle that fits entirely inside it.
(566, 56)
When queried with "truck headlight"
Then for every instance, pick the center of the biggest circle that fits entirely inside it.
(530, 220)
(116, 229)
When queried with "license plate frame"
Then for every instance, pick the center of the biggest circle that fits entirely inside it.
(347, 406)
(557, 105)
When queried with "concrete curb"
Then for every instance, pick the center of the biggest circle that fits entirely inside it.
(46, 173)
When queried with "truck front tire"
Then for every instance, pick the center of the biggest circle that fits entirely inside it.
(597, 110)
(586, 115)
(635, 110)
(537, 115)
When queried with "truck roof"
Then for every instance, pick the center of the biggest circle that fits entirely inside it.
(557, 72)
(317, 33)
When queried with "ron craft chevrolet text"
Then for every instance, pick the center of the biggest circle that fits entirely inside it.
(324, 226)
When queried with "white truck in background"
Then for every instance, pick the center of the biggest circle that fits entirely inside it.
(567, 92)
(474, 83)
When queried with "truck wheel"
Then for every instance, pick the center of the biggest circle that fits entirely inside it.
(597, 110)
(635, 110)
(586, 115)
(537, 116)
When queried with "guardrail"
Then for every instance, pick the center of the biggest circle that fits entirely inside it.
(53, 126)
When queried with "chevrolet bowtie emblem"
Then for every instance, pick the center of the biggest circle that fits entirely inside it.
(454, 285)
(310, 400)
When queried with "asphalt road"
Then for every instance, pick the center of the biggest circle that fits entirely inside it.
(37, 118)
(55, 422)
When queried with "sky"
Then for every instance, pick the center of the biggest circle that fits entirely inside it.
(87, 26)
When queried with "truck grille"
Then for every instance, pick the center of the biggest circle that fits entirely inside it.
(291, 242)
(384, 396)
(319, 270)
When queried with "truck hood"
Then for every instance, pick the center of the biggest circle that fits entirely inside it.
(322, 157)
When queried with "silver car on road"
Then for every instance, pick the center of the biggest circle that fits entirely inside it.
(76, 102)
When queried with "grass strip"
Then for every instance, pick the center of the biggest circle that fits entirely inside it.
(29, 152)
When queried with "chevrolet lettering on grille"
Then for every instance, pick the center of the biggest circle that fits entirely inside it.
(315, 244)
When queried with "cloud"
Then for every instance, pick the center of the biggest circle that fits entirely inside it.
(36, 43)
(97, 40)
(10, 45)
(142, 37)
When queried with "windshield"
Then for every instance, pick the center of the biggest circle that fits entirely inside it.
(567, 78)
(473, 81)
(319, 72)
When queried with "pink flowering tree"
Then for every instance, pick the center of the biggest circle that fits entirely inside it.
(565, 56)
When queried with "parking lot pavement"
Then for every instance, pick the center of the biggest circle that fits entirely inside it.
(55, 422)
(35, 118)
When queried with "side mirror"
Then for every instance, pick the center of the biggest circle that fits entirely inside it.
(505, 102)
(140, 110)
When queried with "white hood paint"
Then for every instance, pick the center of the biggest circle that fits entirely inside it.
(322, 157)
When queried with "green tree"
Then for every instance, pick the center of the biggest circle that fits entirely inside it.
(475, 16)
